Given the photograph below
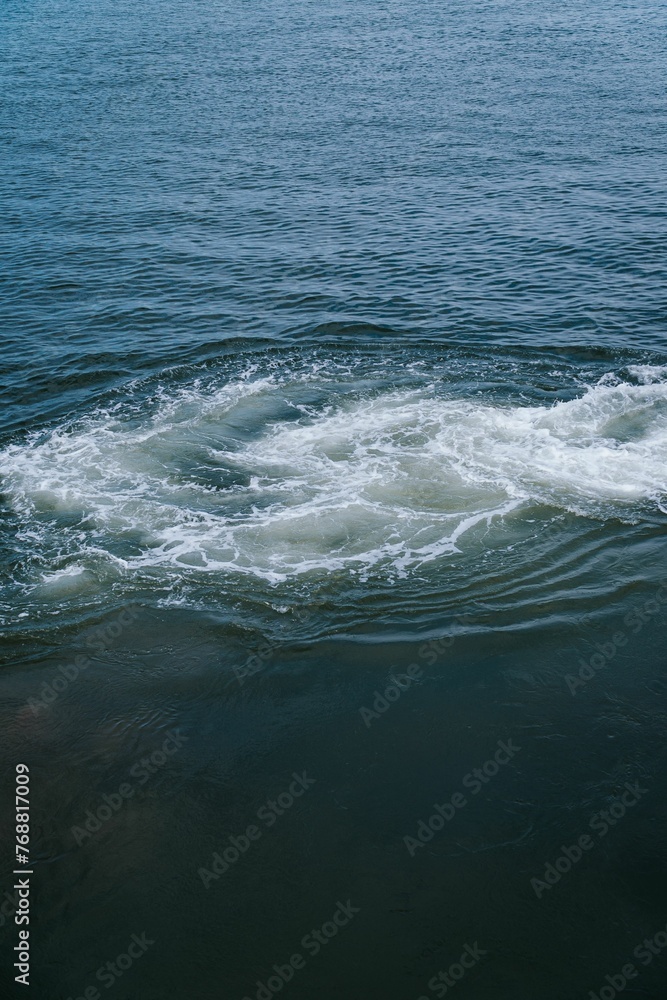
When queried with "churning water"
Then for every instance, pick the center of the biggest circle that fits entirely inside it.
(308, 468)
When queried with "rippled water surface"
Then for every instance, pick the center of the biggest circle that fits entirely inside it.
(334, 439)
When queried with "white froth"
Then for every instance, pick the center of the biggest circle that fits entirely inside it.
(252, 477)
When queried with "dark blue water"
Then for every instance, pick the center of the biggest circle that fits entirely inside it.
(334, 441)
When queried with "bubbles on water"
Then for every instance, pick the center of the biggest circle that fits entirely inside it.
(326, 469)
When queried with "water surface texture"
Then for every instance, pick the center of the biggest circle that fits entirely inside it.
(333, 492)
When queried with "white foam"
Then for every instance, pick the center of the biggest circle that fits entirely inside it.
(217, 479)
(71, 579)
(648, 374)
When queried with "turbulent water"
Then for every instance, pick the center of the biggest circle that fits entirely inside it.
(307, 473)
(333, 351)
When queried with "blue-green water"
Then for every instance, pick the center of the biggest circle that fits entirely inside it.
(334, 440)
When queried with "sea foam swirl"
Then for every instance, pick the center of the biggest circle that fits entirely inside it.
(317, 471)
